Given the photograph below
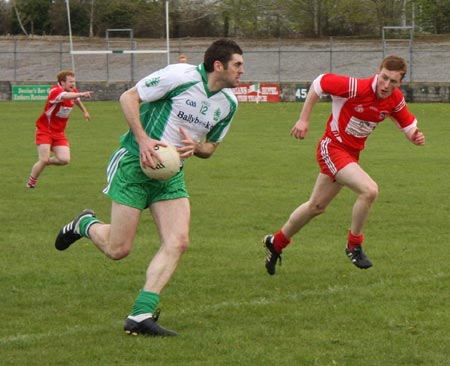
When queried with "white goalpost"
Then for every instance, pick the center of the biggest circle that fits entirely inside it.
(69, 25)
(118, 51)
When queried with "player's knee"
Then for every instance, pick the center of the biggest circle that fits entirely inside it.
(317, 208)
(371, 192)
(64, 160)
(183, 244)
(44, 160)
(178, 245)
(118, 254)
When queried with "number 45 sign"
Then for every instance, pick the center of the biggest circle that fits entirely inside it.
(300, 93)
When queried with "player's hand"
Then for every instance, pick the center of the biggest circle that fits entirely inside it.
(87, 116)
(188, 148)
(418, 138)
(86, 94)
(300, 129)
(149, 156)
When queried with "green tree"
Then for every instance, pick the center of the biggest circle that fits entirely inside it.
(233, 18)
(115, 14)
(433, 16)
(248, 18)
(79, 17)
(149, 19)
(34, 16)
(146, 18)
(191, 18)
(308, 17)
(5, 17)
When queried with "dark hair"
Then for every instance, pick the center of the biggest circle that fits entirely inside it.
(394, 63)
(221, 50)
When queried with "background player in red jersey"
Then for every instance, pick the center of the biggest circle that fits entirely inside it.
(358, 105)
(51, 124)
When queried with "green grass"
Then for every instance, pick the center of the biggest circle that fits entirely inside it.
(67, 308)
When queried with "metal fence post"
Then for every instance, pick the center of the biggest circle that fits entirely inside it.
(279, 60)
(15, 60)
(331, 54)
(60, 55)
(107, 68)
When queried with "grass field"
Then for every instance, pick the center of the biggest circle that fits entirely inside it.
(67, 308)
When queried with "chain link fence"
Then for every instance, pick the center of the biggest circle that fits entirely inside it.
(39, 59)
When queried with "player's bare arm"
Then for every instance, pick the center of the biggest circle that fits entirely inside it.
(205, 149)
(130, 102)
(301, 127)
(86, 114)
(188, 148)
(75, 95)
(416, 137)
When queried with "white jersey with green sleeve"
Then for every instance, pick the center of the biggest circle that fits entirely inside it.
(178, 96)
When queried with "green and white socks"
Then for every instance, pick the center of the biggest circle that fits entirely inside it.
(144, 306)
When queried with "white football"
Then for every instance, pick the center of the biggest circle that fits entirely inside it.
(169, 166)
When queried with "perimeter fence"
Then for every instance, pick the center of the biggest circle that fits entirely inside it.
(40, 58)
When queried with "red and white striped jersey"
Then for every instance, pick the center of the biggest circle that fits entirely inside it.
(57, 111)
(356, 109)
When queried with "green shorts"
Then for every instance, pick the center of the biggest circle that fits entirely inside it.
(128, 185)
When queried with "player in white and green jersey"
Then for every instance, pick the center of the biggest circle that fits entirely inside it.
(190, 107)
(177, 97)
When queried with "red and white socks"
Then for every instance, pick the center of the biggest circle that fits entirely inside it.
(32, 181)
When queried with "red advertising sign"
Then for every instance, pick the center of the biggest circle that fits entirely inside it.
(257, 92)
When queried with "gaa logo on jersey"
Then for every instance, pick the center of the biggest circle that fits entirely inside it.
(383, 115)
(217, 114)
(152, 82)
(359, 109)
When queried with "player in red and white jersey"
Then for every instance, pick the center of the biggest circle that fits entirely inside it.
(51, 124)
(358, 106)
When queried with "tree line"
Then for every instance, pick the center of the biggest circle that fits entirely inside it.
(223, 18)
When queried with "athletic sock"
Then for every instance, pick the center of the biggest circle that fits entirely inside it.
(85, 224)
(140, 318)
(32, 181)
(145, 303)
(354, 240)
(280, 241)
